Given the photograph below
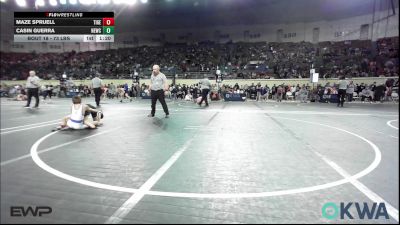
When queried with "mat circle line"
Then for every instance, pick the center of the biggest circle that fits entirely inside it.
(370, 168)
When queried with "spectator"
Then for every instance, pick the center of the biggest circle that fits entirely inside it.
(350, 91)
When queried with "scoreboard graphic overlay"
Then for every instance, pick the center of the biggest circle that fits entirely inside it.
(63, 26)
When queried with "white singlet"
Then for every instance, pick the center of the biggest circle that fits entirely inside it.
(76, 118)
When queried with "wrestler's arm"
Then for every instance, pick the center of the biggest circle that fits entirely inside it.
(87, 108)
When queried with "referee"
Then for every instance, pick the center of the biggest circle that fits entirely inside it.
(158, 85)
(97, 84)
(32, 84)
(205, 89)
(342, 90)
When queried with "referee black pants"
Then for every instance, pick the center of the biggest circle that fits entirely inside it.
(342, 95)
(33, 92)
(204, 94)
(159, 94)
(97, 95)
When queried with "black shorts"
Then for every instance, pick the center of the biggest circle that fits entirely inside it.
(94, 115)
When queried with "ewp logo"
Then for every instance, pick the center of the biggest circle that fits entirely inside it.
(19, 211)
(331, 211)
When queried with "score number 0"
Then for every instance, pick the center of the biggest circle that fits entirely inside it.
(108, 21)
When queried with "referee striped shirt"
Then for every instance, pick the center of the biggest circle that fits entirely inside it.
(158, 82)
(96, 82)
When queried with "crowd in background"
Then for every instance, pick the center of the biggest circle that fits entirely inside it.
(356, 58)
(355, 91)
